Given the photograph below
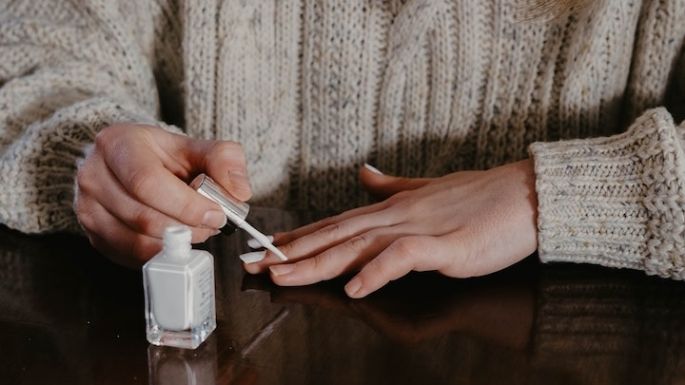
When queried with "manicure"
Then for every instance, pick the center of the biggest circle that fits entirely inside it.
(214, 219)
(254, 244)
(372, 169)
(279, 270)
(253, 257)
(353, 287)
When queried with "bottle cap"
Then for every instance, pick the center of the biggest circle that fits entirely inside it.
(231, 205)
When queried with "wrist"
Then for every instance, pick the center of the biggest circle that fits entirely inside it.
(520, 185)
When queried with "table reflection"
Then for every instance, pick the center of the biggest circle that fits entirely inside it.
(69, 316)
(181, 366)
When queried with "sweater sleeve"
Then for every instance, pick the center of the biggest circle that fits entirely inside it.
(68, 69)
(616, 201)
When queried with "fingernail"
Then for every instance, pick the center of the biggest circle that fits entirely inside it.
(214, 219)
(278, 270)
(372, 169)
(253, 257)
(353, 286)
(240, 180)
(254, 244)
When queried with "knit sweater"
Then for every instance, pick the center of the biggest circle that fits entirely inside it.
(313, 89)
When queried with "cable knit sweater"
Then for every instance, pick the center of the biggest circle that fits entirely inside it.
(313, 89)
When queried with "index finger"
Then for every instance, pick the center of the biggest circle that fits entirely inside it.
(144, 176)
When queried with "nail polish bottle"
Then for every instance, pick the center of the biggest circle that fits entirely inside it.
(179, 292)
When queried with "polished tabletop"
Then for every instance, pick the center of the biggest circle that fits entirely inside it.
(69, 316)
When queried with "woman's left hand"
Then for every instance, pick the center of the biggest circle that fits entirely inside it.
(462, 225)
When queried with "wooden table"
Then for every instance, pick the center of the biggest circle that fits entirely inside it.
(68, 316)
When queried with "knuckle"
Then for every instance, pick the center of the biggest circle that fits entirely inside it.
(81, 176)
(331, 231)
(411, 201)
(84, 214)
(84, 179)
(142, 183)
(102, 138)
(107, 136)
(457, 268)
(406, 248)
(358, 243)
(397, 197)
(87, 221)
(144, 221)
(322, 267)
(298, 247)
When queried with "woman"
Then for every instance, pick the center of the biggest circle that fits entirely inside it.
(309, 91)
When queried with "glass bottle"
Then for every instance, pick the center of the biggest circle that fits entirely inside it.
(179, 292)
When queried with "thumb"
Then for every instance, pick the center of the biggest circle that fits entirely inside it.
(224, 161)
(383, 186)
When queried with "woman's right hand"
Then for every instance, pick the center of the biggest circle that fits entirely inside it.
(133, 184)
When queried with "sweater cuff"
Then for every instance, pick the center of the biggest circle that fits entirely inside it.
(40, 167)
(614, 201)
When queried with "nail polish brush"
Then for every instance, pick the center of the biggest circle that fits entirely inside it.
(235, 210)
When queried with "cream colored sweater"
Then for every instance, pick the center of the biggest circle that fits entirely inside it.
(313, 89)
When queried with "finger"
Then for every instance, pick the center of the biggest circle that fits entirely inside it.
(418, 253)
(326, 237)
(146, 179)
(111, 237)
(346, 256)
(138, 217)
(383, 186)
(287, 237)
(225, 162)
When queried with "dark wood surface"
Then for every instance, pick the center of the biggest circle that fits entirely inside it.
(68, 316)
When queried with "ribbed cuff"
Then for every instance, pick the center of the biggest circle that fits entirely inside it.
(615, 201)
(39, 173)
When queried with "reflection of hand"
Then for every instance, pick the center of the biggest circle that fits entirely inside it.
(501, 312)
(130, 187)
(461, 225)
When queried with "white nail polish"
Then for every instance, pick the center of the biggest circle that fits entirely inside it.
(253, 257)
(254, 244)
(179, 292)
(372, 169)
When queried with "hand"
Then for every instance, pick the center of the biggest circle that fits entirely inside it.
(462, 225)
(132, 185)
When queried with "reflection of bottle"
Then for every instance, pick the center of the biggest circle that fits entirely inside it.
(179, 292)
(169, 366)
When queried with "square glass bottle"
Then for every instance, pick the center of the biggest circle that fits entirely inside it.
(179, 292)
